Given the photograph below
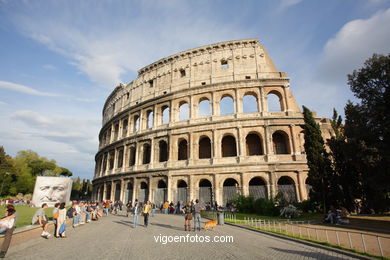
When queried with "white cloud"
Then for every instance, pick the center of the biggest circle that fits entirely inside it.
(108, 52)
(288, 3)
(24, 89)
(2, 103)
(49, 67)
(354, 43)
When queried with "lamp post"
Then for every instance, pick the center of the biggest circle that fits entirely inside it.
(2, 184)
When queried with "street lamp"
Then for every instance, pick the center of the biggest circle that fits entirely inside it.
(2, 184)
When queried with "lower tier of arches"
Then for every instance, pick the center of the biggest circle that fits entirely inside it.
(210, 187)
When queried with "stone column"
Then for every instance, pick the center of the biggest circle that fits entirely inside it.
(122, 195)
(268, 141)
(170, 186)
(135, 189)
(294, 139)
(216, 149)
(155, 117)
(285, 94)
(125, 160)
(240, 143)
(150, 188)
(104, 191)
(244, 184)
(137, 154)
(115, 159)
(191, 144)
(152, 150)
(217, 189)
(301, 187)
(237, 103)
(112, 195)
(273, 185)
(191, 189)
(214, 106)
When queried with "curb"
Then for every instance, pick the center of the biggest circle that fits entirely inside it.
(344, 252)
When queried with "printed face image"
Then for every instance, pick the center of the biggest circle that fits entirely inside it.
(51, 190)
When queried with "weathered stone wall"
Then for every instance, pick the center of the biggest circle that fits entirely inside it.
(138, 144)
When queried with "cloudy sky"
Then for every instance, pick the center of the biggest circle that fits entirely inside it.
(60, 60)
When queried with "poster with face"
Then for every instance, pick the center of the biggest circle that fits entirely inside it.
(51, 190)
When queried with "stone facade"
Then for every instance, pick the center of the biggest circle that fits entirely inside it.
(159, 143)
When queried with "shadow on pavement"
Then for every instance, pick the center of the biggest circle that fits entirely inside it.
(307, 254)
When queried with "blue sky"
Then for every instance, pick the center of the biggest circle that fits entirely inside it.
(59, 60)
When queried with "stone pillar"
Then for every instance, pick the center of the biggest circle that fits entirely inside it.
(240, 143)
(112, 195)
(217, 190)
(294, 139)
(192, 107)
(150, 188)
(244, 184)
(137, 154)
(191, 189)
(285, 94)
(170, 186)
(125, 160)
(191, 144)
(155, 117)
(301, 187)
(135, 189)
(213, 104)
(151, 153)
(273, 184)
(115, 159)
(122, 195)
(216, 149)
(237, 102)
(104, 191)
(268, 141)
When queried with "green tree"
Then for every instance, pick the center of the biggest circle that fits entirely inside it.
(367, 130)
(320, 171)
(7, 173)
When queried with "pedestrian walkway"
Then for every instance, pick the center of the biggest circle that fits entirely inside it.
(113, 237)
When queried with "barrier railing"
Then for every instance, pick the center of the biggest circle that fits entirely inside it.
(369, 243)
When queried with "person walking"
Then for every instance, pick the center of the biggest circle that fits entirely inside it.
(40, 218)
(147, 209)
(136, 211)
(61, 221)
(187, 216)
(197, 208)
(55, 217)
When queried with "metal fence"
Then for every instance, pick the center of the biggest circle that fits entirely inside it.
(362, 242)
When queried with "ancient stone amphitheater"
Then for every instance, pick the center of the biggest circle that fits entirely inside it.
(207, 123)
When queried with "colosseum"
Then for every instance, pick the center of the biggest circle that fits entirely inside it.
(208, 123)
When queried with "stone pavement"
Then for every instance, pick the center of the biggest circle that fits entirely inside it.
(113, 237)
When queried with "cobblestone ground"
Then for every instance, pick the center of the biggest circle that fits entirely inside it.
(114, 238)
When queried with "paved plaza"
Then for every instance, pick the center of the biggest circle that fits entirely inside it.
(113, 237)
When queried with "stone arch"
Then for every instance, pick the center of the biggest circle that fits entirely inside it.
(258, 188)
(184, 111)
(165, 117)
(117, 191)
(280, 142)
(163, 151)
(149, 119)
(250, 103)
(182, 191)
(228, 146)
(136, 123)
(204, 147)
(160, 193)
(205, 191)
(108, 191)
(226, 105)
(204, 107)
(254, 144)
(129, 192)
(275, 101)
(133, 151)
(286, 187)
(146, 152)
(231, 190)
(143, 191)
(182, 149)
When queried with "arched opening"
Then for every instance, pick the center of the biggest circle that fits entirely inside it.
(117, 191)
(129, 192)
(160, 194)
(143, 192)
(286, 187)
(204, 108)
(150, 118)
(120, 158)
(249, 103)
(274, 102)
(253, 145)
(280, 143)
(108, 192)
(229, 146)
(181, 194)
(104, 163)
(136, 123)
(146, 154)
(132, 156)
(163, 151)
(205, 192)
(226, 105)
(184, 111)
(257, 188)
(101, 194)
(183, 150)
(204, 148)
(125, 123)
(231, 191)
(165, 115)
(116, 131)
(111, 160)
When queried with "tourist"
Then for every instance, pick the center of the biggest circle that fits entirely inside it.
(166, 206)
(79, 214)
(128, 208)
(72, 214)
(187, 216)
(40, 218)
(153, 209)
(147, 209)
(7, 226)
(197, 208)
(136, 211)
(61, 221)
(55, 217)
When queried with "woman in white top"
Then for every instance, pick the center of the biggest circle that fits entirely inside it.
(61, 220)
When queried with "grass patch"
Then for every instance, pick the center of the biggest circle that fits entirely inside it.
(25, 214)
